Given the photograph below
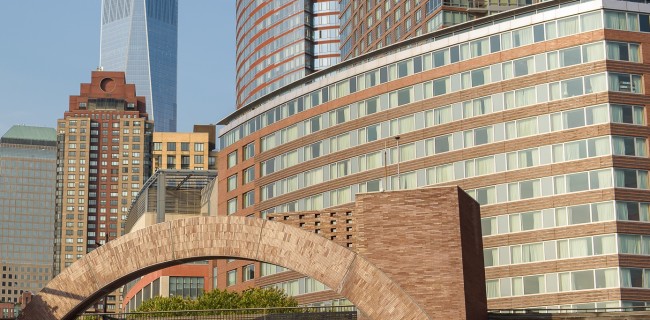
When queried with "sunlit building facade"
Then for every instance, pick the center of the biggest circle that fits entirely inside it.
(140, 37)
(539, 113)
(104, 158)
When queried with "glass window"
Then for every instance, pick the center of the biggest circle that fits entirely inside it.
(249, 150)
(248, 272)
(442, 144)
(232, 182)
(570, 56)
(231, 278)
(577, 182)
(249, 174)
(232, 159)
(232, 206)
(583, 280)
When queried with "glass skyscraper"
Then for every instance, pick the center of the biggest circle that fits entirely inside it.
(140, 37)
(27, 208)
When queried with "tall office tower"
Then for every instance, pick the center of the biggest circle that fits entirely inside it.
(104, 158)
(279, 42)
(540, 113)
(140, 37)
(370, 25)
(27, 187)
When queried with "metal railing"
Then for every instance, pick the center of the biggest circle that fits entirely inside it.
(290, 313)
(573, 310)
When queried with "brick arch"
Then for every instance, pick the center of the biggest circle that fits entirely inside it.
(199, 238)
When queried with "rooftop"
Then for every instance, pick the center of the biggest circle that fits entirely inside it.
(21, 134)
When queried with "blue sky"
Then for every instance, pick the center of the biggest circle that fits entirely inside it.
(47, 48)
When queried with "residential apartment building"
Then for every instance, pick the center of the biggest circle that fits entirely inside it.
(281, 41)
(538, 112)
(27, 189)
(103, 160)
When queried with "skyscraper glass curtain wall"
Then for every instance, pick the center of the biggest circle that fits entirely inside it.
(140, 37)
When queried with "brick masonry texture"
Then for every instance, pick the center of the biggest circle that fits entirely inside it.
(437, 274)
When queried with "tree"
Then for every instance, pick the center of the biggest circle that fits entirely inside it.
(167, 304)
(222, 299)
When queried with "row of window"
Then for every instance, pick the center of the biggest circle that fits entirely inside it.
(519, 98)
(299, 286)
(566, 216)
(248, 273)
(470, 49)
(568, 281)
(502, 71)
(185, 146)
(567, 249)
(561, 184)
(543, 155)
(515, 191)
(558, 121)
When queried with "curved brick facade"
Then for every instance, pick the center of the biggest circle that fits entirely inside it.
(528, 115)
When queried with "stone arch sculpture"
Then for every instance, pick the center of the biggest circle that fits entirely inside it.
(199, 238)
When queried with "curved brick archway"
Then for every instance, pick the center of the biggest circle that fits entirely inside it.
(180, 241)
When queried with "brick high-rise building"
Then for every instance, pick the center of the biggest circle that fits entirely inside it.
(104, 158)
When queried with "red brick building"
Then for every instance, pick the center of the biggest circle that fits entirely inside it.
(104, 158)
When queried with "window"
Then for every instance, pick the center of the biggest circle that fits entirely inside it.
(627, 114)
(630, 178)
(623, 82)
(248, 272)
(249, 199)
(231, 278)
(186, 287)
(232, 206)
(249, 174)
(232, 182)
(171, 146)
(249, 151)
(198, 159)
(185, 146)
(185, 162)
(157, 146)
(198, 146)
(623, 51)
(232, 159)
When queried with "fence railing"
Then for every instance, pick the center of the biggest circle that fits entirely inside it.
(293, 313)
(574, 310)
